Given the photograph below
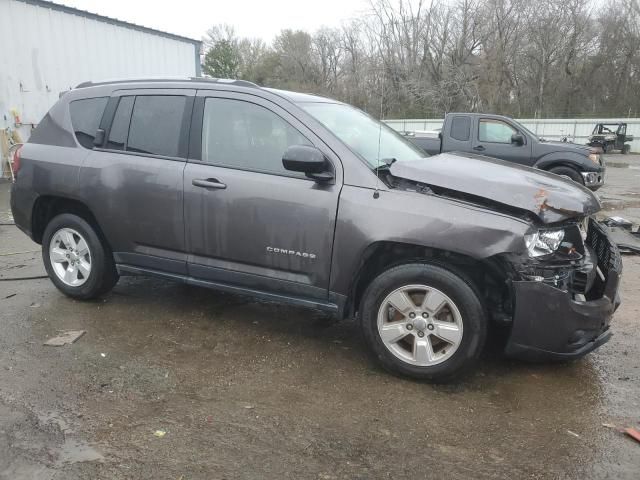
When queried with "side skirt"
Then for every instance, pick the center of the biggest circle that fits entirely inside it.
(333, 308)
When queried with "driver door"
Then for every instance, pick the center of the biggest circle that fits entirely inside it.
(249, 222)
(494, 140)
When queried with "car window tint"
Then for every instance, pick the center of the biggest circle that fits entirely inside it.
(156, 125)
(461, 128)
(85, 118)
(245, 135)
(120, 125)
(495, 131)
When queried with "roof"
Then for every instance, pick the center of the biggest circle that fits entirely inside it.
(294, 97)
(241, 83)
(297, 97)
(113, 21)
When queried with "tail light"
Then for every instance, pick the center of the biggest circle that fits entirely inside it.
(15, 162)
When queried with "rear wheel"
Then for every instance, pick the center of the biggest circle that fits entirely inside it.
(605, 148)
(77, 261)
(568, 172)
(626, 149)
(423, 321)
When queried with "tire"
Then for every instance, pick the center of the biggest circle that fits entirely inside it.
(87, 270)
(605, 148)
(568, 172)
(626, 149)
(444, 361)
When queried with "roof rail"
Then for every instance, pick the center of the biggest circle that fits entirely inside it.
(228, 81)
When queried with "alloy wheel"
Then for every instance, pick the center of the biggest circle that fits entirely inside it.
(70, 257)
(420, 325)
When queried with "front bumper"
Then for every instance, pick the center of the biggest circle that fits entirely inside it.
(553, 324)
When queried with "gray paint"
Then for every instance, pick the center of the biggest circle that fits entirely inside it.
(159, 219)
(549, 197)
(533, 153)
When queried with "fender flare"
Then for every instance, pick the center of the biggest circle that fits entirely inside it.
(578, 162)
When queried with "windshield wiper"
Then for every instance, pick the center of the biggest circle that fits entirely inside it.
(384, 164)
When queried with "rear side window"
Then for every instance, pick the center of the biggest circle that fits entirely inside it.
(85, 118)
(461, 128)
(120, 126)
(156, 125)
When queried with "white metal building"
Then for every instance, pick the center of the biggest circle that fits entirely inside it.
(47, 48)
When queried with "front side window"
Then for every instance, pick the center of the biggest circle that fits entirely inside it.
(495, 131)
(244, 135)
(85, 118)
(156, 124)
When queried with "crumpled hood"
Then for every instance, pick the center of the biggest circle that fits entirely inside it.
(548, 196)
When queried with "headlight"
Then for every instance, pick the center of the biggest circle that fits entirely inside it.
(594, 158)
(543, 242)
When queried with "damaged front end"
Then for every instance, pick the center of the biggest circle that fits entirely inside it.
(563, 301)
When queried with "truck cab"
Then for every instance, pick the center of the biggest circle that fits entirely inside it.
(504, 138)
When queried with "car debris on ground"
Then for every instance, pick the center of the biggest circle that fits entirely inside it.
(65, 338)
(625, 234)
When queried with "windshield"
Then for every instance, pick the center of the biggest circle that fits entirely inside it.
(361, 133)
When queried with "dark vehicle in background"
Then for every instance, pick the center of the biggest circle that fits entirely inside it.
(610, 136)
(501, 137)
(284, 196)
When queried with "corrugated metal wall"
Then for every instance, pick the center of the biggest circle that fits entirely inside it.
(552, 129)
(44, 51)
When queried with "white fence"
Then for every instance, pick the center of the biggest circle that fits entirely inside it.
(578, 130)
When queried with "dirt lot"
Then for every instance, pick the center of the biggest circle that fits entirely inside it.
(248, 390)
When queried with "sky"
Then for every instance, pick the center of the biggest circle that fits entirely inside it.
(251, 18)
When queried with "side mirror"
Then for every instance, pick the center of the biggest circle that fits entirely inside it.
(308, 160)
(517, 139)
(98, 140)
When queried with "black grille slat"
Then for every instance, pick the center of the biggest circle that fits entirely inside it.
(608, 255)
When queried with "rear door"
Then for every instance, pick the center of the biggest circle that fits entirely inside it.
(250, 222)
(493, 139)
(133, 181)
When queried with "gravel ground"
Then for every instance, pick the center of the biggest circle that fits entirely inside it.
(252, 390)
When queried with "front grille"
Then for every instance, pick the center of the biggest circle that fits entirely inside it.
(609, 259)
(606, 250)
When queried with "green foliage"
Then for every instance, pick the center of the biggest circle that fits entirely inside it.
(222, 60)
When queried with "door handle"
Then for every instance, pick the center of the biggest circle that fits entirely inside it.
(479, 148)
(208, 183)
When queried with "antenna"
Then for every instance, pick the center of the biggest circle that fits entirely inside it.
(376, 194)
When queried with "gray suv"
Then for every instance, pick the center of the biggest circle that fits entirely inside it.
(301, 199)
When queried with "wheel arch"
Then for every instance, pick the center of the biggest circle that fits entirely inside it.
(383, 255)
(46, 207)
(573, 160)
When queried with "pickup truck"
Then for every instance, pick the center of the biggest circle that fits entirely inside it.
(502, 137)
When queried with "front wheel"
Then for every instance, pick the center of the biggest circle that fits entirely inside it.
(77, 261)
(423, 321)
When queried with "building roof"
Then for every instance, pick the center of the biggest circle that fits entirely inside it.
(113, 21)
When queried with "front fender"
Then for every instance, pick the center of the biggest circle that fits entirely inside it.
(420, 220)
(572, 159)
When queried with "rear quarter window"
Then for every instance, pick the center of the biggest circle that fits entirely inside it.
(85, 118)
(461, 128)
